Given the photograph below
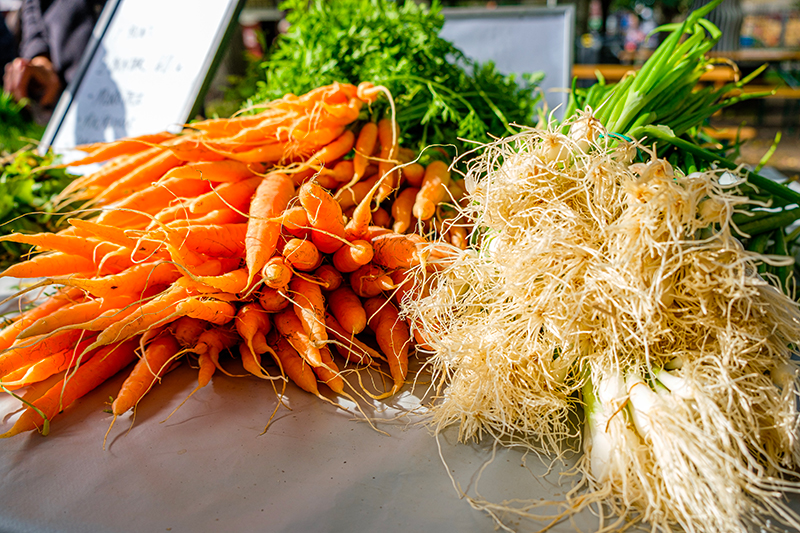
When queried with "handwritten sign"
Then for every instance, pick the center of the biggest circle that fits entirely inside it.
(147, 66)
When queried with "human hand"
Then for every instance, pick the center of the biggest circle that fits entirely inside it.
(35, 79)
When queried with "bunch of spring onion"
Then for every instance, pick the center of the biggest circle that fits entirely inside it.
(605, 282)
(664, 105)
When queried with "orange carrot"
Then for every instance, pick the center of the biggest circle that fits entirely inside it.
(156, 360)
(252, 323)
(345, 306)
(401, 209)
(227, 195)
(217, 312)
(404, 283)
(333, 151)
(370, 280)
(49, 366)
(251, 361)
(348, 196)
(276, 272)
(328, 373)
(216, 216)
(273, 300)
(390, 176)
(105, 151)
(393, 337)
(131, 281)
(293, 365)
(28, 317)
(87, 247)
(432, 191)
(324, 216)
(395, 250)
(295, 222)
(352, 256)
(209, 345)
(140, 176)
(232, 282)
(364, 149)
(342, 171)
(31, 350)
(111, 172)
(187, 330)
(216, 240)
(146, 315)
(272, 196)
(92, 372)
(291, 328)
(329, 278)
(214, 171)
(301, 254)
(413, 174)
(76, 313)
(348, 346)
(309, 305)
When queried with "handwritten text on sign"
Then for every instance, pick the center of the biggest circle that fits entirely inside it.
(145, 73)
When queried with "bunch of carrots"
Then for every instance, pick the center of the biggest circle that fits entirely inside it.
(287, 233)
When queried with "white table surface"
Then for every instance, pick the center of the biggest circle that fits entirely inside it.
(210, 468)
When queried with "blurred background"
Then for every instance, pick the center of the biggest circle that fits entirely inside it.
(610, 36)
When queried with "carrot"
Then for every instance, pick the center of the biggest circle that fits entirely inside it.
(413, 174)
(76, 313)
(105, 151)
(402, 209)
(294, 366)
(232, 282)
(266, 153)
(109, 173)
(324, 216)
(276, 272)
(271, 198)
(390, 176)
(251, 361)
(155, 362)
(187, 330)
(216, 240)
(216, 216)
(395, 250)
(291, 328)
(328, 373)
(140, 176)
(295, 222)
(209, 345)
(9, 333)
(404, 283)
(342, 171)
(112, 234)
(333, 151)
(348, 346)
(432, 190)
(393, 337)
(228, 195)
(49, 366)
(31, 350)
(92, 372)
(351, 195)
(302, 255)
(213, 311)
(83, 246)
(309, 306)
(345, 306)
(364, 149)
(370, 280)
(131, 281)
(146, 315)
(273, 300)
(253, 324)
(352, 256)
(329, 278)
(225, 170)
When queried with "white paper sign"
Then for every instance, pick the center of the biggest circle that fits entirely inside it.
(144, 70)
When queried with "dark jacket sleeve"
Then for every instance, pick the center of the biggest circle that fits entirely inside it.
(60, 29)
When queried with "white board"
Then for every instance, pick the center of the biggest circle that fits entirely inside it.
(519, 40)
(148, 64)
